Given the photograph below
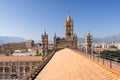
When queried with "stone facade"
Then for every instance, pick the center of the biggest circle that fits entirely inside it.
(88, 43)
(29, 43)
(44, 44)
(18, 69)
(70, 39)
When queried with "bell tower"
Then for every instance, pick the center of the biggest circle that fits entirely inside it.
(55, 41)
(44, 44)
(68, 28)
(88, 43)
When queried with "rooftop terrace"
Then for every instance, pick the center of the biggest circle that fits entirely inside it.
(67, 64)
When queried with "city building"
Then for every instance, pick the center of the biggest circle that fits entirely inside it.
(9, 48)
(29, 43)
(18, 68)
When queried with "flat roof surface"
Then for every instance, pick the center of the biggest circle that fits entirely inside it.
(67, 64)
(23, 54)
(20, 58)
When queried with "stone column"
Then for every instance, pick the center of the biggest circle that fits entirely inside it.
(18, 70)
(3, 75)
(24, 72)
(10, 71)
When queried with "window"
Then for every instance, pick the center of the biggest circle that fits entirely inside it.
(69, 34)
(6, 64)
(1, 63)
(69, 27)
(26, 69)
(21, 63)
(1, 76)
(13, 69)
(21, 69)
(27, 63)
(33, 63)
(13, 63)
(1, 69)
(6, 69)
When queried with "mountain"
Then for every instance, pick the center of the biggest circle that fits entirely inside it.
(7, 39)
(115, 38)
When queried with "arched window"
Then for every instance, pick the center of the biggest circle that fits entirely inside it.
(69, 34)
(69, 27)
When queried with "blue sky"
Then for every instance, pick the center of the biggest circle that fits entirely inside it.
(29, 18)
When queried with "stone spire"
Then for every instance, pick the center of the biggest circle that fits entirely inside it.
(44, 31)
(68, 17)
(55, 34)
(89, 33)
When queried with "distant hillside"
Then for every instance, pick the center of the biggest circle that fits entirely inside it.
(5, 39)
(115, 38)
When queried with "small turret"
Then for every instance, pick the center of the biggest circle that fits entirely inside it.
(55, 41)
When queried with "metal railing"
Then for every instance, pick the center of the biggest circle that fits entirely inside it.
(107, 61)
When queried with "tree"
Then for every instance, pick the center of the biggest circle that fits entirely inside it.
(37, 53)
(113, 46)
(111, 55)
(11, 51)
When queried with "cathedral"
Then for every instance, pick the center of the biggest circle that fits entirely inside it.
(70, 39)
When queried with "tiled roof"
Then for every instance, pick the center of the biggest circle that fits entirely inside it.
(69, 65)
(20, 58)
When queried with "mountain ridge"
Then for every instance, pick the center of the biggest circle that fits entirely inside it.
(10, 39)
(115, 38)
